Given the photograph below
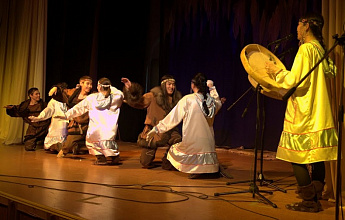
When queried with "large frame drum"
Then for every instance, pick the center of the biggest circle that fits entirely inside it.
(253, 58)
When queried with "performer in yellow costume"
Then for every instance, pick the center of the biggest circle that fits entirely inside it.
(309, 135)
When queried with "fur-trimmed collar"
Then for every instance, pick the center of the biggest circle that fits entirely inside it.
(159, 97)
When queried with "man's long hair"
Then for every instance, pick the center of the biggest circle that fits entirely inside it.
(175, 96)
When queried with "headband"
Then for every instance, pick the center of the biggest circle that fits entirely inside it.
(166, 80)
(83, 80)
(312, 21)
(103, 85)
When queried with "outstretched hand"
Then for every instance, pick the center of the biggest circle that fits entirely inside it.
(127, 82)
(209, 83)
(60, 117)
(8, 106)
(33, 119)
(52, 91)
(151, 133)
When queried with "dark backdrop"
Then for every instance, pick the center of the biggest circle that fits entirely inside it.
(100, 39)
(104, 38)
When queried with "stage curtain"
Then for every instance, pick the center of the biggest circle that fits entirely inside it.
(23, 27)
(333, 13)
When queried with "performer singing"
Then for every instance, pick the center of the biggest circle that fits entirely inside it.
(104, 110)
(158, 103)
(196, 153)
(32, 107)
(309, 135)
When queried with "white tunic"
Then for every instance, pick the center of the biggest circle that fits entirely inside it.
(103, 114)
(57, 131)
(196, 153)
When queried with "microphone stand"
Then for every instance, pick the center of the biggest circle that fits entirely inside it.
(277, 43)
(281, 56)
(338, 41)
(239, 98)
(253, 188)
(261, 178)
(275, 47)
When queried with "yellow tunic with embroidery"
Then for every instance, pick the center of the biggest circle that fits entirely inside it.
(309, 134)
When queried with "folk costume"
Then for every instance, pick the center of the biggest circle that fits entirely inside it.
(77, 127)
(57, 131)
(103, 113)
(157, 107)
(309, 134)
(196, 152)
(37, 130)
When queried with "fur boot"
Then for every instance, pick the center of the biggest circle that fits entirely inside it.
(309, 200)
(318, 189)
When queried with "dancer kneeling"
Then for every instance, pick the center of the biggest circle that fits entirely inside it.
(104, 111)
(57, 131)
(196, 153)
(158, 102)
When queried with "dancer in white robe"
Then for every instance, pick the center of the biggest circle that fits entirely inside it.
(104, 111)
(196, 153)
(57, 131)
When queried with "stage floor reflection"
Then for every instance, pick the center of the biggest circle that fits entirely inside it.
(75, 186)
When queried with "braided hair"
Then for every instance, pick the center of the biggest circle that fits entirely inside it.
(200, 81)
(316, 23)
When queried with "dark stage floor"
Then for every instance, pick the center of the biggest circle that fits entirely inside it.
(74, 188)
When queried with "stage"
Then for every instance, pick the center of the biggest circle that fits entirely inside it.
(38, 185)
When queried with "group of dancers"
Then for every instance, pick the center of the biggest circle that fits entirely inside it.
(75, 115)
(309, 135)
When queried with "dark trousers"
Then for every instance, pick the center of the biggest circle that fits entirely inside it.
(149, 149)
(73, 143)
(33, 135)
(304, 176)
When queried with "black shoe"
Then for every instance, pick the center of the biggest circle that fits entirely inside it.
(115, 160)
(150, 166)
(194, 176)
(100, 160)
(204, 175)
(224, 173)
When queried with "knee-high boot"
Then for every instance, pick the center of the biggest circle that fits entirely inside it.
(309, 202)
(318, 188)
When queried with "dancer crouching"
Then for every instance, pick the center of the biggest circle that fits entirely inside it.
(104, 111)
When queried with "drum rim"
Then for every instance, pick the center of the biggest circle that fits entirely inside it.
(267, 85)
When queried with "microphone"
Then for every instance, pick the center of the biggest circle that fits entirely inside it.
(286, 38)
(282, 55)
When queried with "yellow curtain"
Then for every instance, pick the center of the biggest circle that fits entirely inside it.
(23, 31)
(333, 13)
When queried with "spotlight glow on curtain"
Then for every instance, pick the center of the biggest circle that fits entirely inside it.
(23, 27)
